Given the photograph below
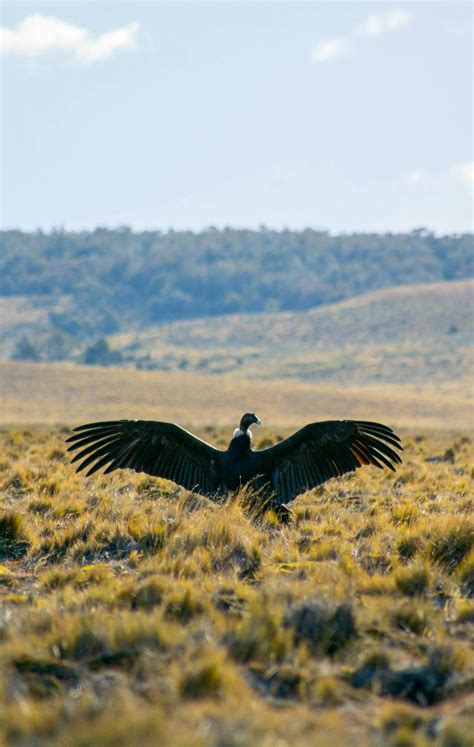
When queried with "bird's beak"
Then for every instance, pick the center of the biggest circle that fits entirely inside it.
(258, 421)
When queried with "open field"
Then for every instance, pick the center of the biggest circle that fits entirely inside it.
(134, 613)
(59, 393)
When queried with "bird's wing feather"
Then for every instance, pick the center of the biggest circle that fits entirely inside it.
(159, 449)
(320, 451)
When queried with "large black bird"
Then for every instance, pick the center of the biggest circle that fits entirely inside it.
(279, 473)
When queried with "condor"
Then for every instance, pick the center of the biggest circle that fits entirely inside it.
(279, 473)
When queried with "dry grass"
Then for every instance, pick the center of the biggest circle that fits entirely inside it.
(133, 612)
(58, 393)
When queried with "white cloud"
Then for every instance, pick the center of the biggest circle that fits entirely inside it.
(392, 20)
(375, 25)
(414, 177)
(37, 35)
(105, 45)
(329, 49)
(464, 172)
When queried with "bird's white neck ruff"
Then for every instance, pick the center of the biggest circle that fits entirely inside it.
(238, 433)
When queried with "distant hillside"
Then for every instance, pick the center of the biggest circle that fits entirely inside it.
(79, 286)
(406, 334)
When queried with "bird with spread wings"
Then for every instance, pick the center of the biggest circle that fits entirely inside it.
(309, 457)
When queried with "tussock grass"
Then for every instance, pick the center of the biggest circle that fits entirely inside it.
(452, 543)
(259, 636)
(132, 612)
(414, 580)
(14, 540)
(325, 627)
(465, 574)
(206, 680)
(12, 527)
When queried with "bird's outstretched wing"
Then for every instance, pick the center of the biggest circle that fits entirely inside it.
(320, 451)
(159, 449)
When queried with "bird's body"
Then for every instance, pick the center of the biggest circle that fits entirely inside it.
(306, 459)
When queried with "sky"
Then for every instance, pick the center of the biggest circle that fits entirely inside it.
(337, 116)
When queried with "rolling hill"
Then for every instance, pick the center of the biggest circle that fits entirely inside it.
(64, 290)
(403, 334)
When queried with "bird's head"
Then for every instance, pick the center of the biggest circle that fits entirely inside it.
(247, 420)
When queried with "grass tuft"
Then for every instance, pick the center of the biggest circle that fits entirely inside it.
(259, 637)
(321, 624)
(203, 682)
(147, 595)
(465, 575)
(116, 641)
(14, 540)
(414, 580)
(408, 546)
(183, 606)
(452, 544)
(412, 617)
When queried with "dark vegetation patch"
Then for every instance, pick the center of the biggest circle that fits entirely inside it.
(14, 541)
(204, 682)
(286, 681)
(322, 624)
(452, 545)
(423, 685)
(147, 595)
(183, 606)
(50, 669)
(117, 644)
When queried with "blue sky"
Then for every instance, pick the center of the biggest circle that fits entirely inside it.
(342, 116)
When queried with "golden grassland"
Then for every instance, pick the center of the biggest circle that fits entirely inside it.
(135, 613)
(58, 393)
